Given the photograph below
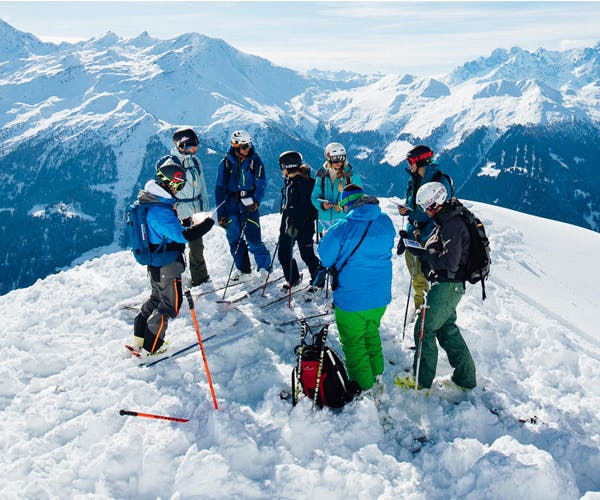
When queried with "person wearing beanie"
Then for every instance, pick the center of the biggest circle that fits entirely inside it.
(358, 252)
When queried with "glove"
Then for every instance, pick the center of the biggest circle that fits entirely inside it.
(292, 231)
(199, 230)
(224, 222)
(401, 246)
(187, 222)
(253, 207)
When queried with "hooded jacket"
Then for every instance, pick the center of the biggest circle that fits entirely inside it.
(163, 224)
(365, 282)
(417, 219)
(326, 189)
(238, 178)
(296, 207)
(193, 197)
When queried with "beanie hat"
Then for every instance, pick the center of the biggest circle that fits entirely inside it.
(350, 194)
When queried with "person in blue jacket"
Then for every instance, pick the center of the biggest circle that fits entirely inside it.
(359, 250)
(240, 186)
(330, 180)
(421, 170)
(167, 239)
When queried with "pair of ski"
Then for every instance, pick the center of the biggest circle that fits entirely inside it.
(250, 292)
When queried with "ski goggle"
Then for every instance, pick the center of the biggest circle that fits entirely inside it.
(241, 145)
(416, 159)
(176, 184)
(337, 159)
(187, 143)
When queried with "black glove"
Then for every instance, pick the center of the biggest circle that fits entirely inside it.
(401, 246)
(199, 230)
(292, 231)
(187, 222)
(253, 207)
(224, 222)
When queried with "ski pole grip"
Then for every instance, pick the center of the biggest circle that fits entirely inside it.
(190, 300)
(127, 412)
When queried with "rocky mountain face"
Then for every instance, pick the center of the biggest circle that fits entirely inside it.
(81, 126)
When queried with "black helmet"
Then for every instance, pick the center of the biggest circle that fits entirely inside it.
(421, 155)
(290, 160)
(170, 176)
(185, 138)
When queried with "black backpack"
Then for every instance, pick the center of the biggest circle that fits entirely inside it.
(320, 373)
(479, 261)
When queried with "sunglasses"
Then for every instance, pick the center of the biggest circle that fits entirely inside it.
(244, 146)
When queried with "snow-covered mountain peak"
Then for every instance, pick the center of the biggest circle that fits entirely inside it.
(17, 44)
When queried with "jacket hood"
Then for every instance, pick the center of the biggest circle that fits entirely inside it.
(366, 208)
(152, 192)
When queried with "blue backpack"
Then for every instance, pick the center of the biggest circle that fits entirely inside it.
(136, 233)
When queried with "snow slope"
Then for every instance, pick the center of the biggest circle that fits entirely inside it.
(534, 341)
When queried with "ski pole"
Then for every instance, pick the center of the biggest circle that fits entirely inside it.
(414, 267)
(323, 335)
(150, 415)
(303, 331)
(237, 248)
(291, 273)
(188, 294)
(269, 270)
(420, 346)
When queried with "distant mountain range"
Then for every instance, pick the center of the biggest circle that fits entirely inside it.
(81, 126)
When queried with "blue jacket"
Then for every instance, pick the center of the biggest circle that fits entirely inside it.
(163, 224)
(324, 189)
(417, 219)
(366, 279)
(235, 177)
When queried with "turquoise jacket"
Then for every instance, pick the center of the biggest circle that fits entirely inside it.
(365, 282)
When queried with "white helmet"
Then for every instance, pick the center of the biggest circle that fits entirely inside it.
(431, 195)
(241, 138)
(335, 152)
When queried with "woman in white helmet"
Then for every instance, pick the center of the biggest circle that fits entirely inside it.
(331, 178)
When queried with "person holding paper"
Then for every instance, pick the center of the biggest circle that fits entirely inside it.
(193, 198)
(331, 178)
(241, 182)
(421, 170)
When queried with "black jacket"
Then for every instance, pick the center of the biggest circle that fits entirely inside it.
(296, 206)
(448, 246)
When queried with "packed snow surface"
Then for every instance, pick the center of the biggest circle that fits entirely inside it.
(530, 430)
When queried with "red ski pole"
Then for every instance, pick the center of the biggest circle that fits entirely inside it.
(188, 294)
(149, 415)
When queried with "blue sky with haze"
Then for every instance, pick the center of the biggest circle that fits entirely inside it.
(423, 38)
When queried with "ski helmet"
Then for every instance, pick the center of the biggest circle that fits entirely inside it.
(421, 155)
(431, 196)
(185, 138)
(170, 176)
(290, 160)
(335, 152)
(241, 138)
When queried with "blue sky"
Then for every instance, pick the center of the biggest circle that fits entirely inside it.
(423, 38)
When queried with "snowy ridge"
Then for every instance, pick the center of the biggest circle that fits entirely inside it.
(534, 341)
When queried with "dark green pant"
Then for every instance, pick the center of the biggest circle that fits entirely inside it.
(440, 324)
(198, 269)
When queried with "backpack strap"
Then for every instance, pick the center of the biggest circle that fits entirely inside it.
(339, 270)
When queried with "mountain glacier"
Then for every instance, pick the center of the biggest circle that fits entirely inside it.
(82, 124)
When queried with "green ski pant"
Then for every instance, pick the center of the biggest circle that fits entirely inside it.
(419, 281)
(361, 343)
(440, 324)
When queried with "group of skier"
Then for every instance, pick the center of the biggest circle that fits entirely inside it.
(355, 247)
